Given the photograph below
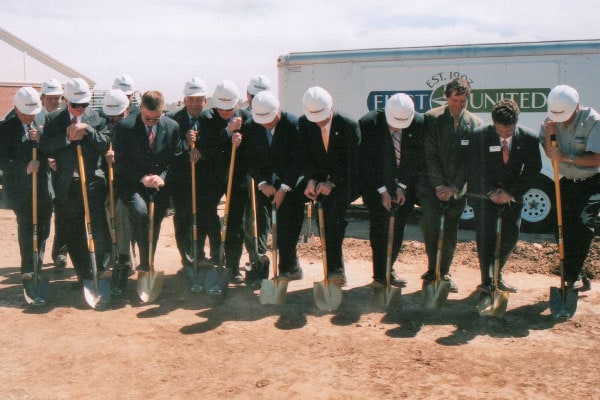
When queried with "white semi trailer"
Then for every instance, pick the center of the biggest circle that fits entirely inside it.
(362, 80)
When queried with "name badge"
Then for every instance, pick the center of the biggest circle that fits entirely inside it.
(495, 149)
(464, 142)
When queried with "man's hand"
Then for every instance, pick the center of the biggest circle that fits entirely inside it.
(234, 125)
(52, 164)
(445, 193)
(33, 166)
(236, 139)
(324, 188)
(195, 155)
(191, 136)
(33, 134)
(76, 132)
(268, 190)
(153, 181)
(386, 200)
(311, 191)
(278, 198)
(110, 157)
(501, 196)
(400, 196)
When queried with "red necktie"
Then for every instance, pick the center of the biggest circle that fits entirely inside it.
(74, 120)
(505, 153)
(151, 137)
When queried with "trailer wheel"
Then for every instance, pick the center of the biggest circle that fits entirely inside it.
(538, 213)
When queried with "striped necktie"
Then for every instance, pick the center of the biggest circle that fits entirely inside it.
(505, 152)
(151, 137)
(396, 137)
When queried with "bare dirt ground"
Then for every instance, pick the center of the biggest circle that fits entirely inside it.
(183, 346)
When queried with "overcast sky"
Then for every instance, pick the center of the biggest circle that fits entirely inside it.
(163, 43)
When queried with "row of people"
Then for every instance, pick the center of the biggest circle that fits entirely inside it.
(394, 157)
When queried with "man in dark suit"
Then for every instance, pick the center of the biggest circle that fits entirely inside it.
(331, 160)
(272, 143)
(447, 133)
(391, 164)
(505, 162)
(63, 132)
(18, 136)
(147, 147)
(219, 131)
(179, 178)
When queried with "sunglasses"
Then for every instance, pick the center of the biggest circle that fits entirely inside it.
(80, 105)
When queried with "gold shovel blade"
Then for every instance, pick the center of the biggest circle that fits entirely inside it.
(273, 291)
(492, 304)
(434, 294)
(328, 296)
(149, 285)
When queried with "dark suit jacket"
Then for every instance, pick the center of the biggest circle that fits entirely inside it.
(341, 162)
(15, 155)
(134, 157)
(378, 157)
(180, 175)
(487, 170)
(282, 157)
(446, 150)
(93, 146)
(214, 145)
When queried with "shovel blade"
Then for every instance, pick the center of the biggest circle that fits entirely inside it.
(197, 276)
(36, 296)
(434, 294)
(149, 285)
(328, 296)
(492, 304)
(119, 281)
(273, 291)
(216, 282)
(386, 297)
(256, 272)
(97, 297)
(563, 308)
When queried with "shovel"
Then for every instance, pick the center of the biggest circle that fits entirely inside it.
(36, 291)
(328, 296)
(434, 294)
(259, 268)
(494, 304)
(308, 234)
(563, 301)
(96, 291)
(273, 291)
(197, 279)
(217, 278)
(388, 295)
(149, 284)
(119, 277)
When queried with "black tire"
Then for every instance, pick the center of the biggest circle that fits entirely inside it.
(539, 211)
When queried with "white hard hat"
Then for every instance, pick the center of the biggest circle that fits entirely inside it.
(257, 84)
(52, 87)
(77, 91)
(317, 104)
(115, 102)
(399, 111)
(562, 101)
(264, 107)
(27, 100)
(125, 83)
(195, 87)
(226, 95)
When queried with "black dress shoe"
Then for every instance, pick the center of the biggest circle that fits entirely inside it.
(428, 276)
(485, 287)
(506, 287)
(337, 278)
(586, 284)
(143, 268)
(397, 281)
(61, 261)
(294, 275)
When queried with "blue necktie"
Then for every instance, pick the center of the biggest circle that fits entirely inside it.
(269, 137)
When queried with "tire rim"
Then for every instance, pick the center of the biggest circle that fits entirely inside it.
(536, 205)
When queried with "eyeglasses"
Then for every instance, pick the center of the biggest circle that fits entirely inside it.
(145, 118)
(80, 105)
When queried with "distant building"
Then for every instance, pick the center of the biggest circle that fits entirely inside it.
(24, 65)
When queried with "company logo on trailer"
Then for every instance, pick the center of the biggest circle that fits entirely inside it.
(530, 100)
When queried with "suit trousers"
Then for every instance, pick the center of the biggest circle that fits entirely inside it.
(581, 203)
(334, 210)
(486, 214)
(25, 233)
(209, 223)
(138, 204)
(379, 219)
(430, 226)
(72, 212)
(182, 221)
(234, 239)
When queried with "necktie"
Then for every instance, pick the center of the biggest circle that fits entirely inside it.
(505, 153)
(74, 120)
(396, 139)
(151, 137)
(194, 124)
(455, 123)
(269, 136)
(325, 138)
